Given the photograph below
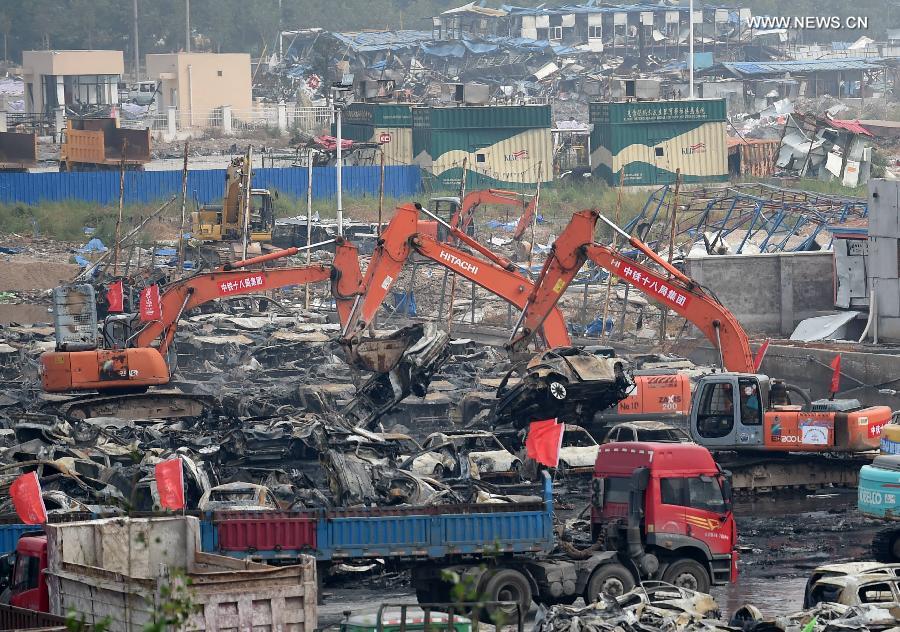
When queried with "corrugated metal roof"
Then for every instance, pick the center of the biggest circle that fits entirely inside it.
(850, 126)
(810, 65)
(367, 41)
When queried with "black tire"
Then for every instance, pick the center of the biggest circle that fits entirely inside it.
(435, 592)
(687, 573)
(505, 584)
(886, 546)
(612, 579)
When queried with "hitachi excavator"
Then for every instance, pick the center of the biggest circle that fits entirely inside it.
(453, 213)
(422, 351)
(132, 356)
(738, 410)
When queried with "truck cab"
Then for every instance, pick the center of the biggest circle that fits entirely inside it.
(745, 411)
(667, 508)
(23, 573)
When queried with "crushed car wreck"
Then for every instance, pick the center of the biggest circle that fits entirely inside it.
(566, 383)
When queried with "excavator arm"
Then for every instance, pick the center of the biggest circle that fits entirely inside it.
(231, 280)
(466, 211)
(405, 361)
(496, 275)
(677, 292)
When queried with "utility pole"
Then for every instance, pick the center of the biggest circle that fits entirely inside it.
(691, 49)
(187, 26)
(340, 174)
(137, 51)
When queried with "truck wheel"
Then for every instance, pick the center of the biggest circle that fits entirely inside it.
(506, 585)
(688, 574)
(886, 545)
(611, 579)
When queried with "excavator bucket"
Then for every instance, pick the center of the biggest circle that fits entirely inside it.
(381, 354)
(403, 363)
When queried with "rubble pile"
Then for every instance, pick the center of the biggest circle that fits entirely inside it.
(657, 607)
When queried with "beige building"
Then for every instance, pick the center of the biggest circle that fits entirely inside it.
(71, 78)
(200, 83)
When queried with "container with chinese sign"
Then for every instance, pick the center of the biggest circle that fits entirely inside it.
(506, 146)
(389, 124)
(650, 140)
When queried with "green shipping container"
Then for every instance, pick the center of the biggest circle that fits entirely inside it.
(650, 140)
(387, 123)
(507, 146)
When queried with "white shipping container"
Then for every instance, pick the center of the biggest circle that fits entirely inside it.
(118, 569)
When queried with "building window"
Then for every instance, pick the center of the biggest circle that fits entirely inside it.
(556, 32)
(595, 32)
(480, 158)
(659, 152)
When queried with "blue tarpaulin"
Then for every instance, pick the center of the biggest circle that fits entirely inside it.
(405, 303)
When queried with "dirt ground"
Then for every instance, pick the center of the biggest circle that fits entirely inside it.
(24, 274)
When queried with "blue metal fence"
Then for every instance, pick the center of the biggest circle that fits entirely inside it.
(102, 187)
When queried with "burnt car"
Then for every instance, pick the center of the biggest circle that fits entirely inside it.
(652, 431)
(567, 383)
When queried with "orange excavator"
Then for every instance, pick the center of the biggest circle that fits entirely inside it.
(453, 213)
(738, 410)
(132, 357)
(405, 361)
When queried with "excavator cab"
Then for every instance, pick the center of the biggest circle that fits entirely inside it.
(728, 410)
(445, 208)
(262, 215)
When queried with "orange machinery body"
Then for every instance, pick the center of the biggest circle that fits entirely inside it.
(796, 431)
(665, 395)
(102, 369)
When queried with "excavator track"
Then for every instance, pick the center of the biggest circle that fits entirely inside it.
(886, 545)
(761, 473)
(150, 405)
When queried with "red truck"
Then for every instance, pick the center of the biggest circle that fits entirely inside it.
(661, 510)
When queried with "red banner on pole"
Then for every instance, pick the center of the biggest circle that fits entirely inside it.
(115, 297)
(760, 354)
(170, 484)
(27, 499)
(544, 441)
(836, 374)
(151, 308)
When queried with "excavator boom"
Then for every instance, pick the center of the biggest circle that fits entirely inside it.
(466, 211)
(674, 290)
(398, 241)
(405, 361)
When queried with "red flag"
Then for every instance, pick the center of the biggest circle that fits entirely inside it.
(115, 296)
(170, 484)
(27, 499)
(836, 375)
(544, 441)
(151, 309)
(760, 354)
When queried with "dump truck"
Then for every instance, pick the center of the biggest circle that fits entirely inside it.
(18, 151)
(97, 144)
(661, 511)
(118, 570)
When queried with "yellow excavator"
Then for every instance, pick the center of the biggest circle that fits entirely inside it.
(246, 215)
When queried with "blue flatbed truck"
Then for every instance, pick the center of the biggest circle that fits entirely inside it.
(663, 511)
